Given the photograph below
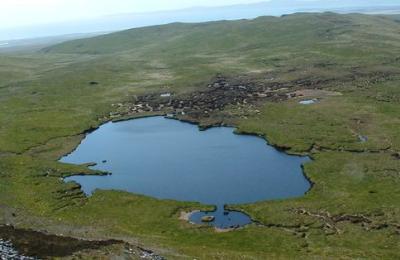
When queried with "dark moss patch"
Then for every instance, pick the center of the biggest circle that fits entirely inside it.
(37, 244)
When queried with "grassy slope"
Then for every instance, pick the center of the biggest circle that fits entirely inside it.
(46, 99)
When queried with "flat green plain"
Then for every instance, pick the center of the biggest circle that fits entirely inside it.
(47, 104)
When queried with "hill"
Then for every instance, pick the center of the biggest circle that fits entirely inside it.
(294, 31)
(200, 14)
(248, 73)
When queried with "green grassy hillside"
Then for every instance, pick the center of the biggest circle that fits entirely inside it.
(261, 34)
(350, 62)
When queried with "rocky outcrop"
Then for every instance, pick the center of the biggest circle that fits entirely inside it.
(218, 95)
(21, 244)
(7, 251)
(207, 219)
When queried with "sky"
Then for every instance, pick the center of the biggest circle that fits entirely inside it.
(18, 13)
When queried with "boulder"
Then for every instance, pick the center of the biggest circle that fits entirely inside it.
(207, 219)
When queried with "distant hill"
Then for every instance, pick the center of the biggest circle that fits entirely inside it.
(39, 43)
(203, 14)
(236, 37)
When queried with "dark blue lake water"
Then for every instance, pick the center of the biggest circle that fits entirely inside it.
(168, 159)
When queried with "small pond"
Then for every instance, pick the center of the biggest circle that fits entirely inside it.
(363, 138)
(308, 102)
(221, 218)
(169, 159)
